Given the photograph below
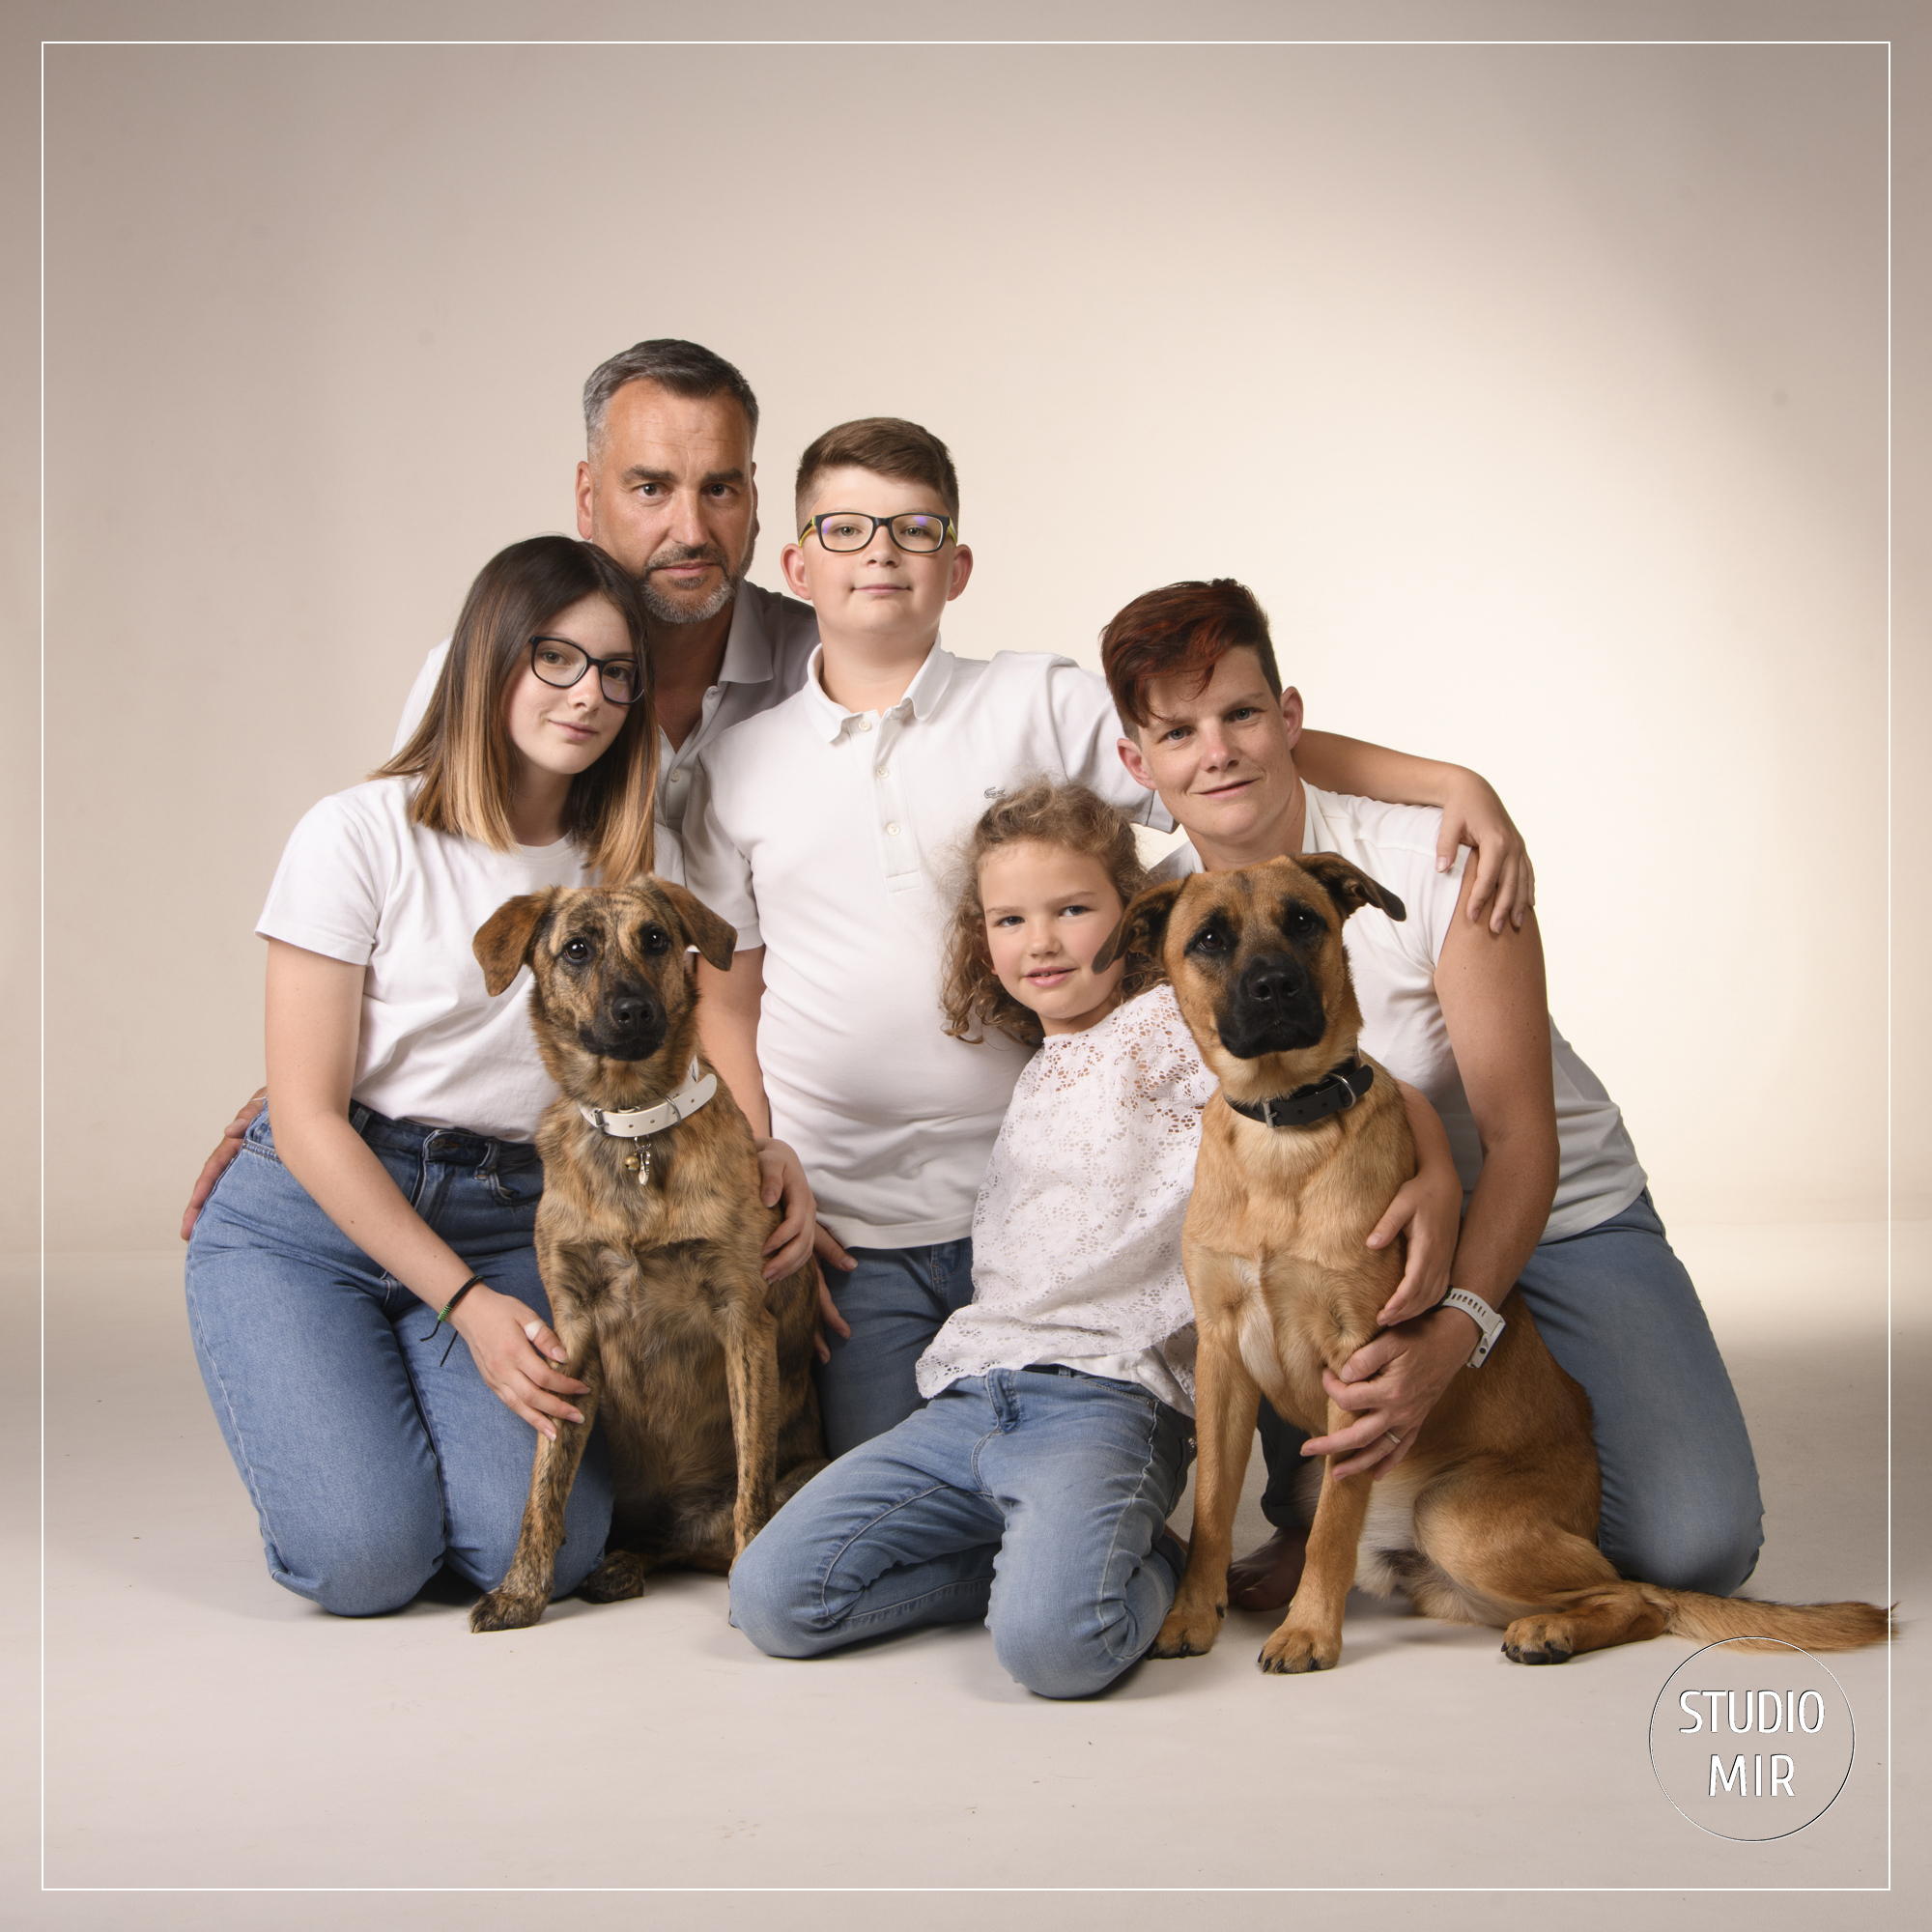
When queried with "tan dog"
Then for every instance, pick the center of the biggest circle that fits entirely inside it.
(1492, 1519)
(651, 1251)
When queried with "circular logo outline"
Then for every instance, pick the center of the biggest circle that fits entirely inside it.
(1720, 1643)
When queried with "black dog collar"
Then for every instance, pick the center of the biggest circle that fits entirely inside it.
(1334, 1093)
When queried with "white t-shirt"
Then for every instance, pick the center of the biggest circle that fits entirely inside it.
(828, 837)
(1076, 1236)
(765, 654)
(359, 883)
(1394, 969)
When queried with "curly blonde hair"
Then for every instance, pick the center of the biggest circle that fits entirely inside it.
(1043, 813)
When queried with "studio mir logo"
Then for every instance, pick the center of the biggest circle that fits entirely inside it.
(1752, 1744)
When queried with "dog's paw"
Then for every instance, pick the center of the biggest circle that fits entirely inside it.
(1539, 1640)
(1292, 1652)
(506, 1610)
(619, 1576)
(1189, 1632)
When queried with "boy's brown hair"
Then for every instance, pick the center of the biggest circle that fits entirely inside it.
(1178, 630)
(461, 752)
(887, 446)
(1044, 814)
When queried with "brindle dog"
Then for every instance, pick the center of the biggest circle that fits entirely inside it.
(700, 1368)
(1492, 1519)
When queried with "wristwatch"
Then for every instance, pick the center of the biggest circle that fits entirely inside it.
(1482, 1314)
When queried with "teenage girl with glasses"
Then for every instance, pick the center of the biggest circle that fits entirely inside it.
(362, 1286)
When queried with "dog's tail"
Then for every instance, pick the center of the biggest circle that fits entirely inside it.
(1809, 1626)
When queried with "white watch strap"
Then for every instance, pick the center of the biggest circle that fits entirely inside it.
(1483, 1316)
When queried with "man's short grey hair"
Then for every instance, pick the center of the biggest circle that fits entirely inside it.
(685, 368)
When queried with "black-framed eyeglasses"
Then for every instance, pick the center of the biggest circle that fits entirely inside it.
(560, 663)
(914, 531)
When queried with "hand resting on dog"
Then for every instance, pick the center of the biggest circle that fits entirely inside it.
(1491, 995)
(314, 1012)
(782, 1177)
(1428, 1207)
(728, 1026)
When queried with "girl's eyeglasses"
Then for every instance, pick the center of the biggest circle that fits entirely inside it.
(560, 663)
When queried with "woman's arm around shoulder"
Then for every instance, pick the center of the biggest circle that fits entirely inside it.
(1472, 815)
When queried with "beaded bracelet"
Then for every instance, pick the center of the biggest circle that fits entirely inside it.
(475, 1281)
(448, 1308)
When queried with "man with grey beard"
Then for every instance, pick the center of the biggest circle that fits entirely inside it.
(667, 486)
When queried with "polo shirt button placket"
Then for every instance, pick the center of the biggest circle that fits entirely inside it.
(899, 853)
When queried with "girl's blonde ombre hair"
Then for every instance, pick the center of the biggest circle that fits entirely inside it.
(461, 752)
(1042, 814)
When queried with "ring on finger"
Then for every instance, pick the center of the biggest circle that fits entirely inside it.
(1393, 1437)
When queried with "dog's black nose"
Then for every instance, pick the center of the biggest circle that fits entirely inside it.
(631, 1012)
(1272, 981)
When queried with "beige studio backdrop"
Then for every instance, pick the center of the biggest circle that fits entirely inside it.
(1539, 392)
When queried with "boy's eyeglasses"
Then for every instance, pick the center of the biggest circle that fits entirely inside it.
(560, 663)
(853, 530)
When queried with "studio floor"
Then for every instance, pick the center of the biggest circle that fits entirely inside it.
(205, 1740)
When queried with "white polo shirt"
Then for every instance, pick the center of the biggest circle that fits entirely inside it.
(828, 837)
(1393, 965)
(765, 654)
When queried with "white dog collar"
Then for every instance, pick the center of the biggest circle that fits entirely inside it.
(639, 1122)
(1483, 1316)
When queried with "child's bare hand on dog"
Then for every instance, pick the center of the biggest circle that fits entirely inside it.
(515, 1356)
(217, 1163)
(782, 1177)
(1391, 1384)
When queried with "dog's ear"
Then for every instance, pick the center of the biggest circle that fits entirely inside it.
(1349, 886)
(1143, 927)
(503, 942)
(702, 927)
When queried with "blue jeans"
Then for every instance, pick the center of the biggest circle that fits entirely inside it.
(1033, 1499)
(896, 1299)
(1619, 1313)
(371, 1460)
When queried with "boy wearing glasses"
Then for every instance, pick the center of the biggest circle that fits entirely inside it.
(823, 829)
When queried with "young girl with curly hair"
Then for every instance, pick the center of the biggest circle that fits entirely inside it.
(1034, 1489)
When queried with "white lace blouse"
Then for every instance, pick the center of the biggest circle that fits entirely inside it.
(1076, 1236)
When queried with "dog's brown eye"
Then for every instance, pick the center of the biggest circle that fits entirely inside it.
(1206, 940)
(655, 939)
(577, 950)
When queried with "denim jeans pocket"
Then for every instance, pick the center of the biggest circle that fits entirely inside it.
(518, 1186)
(259, 1138)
